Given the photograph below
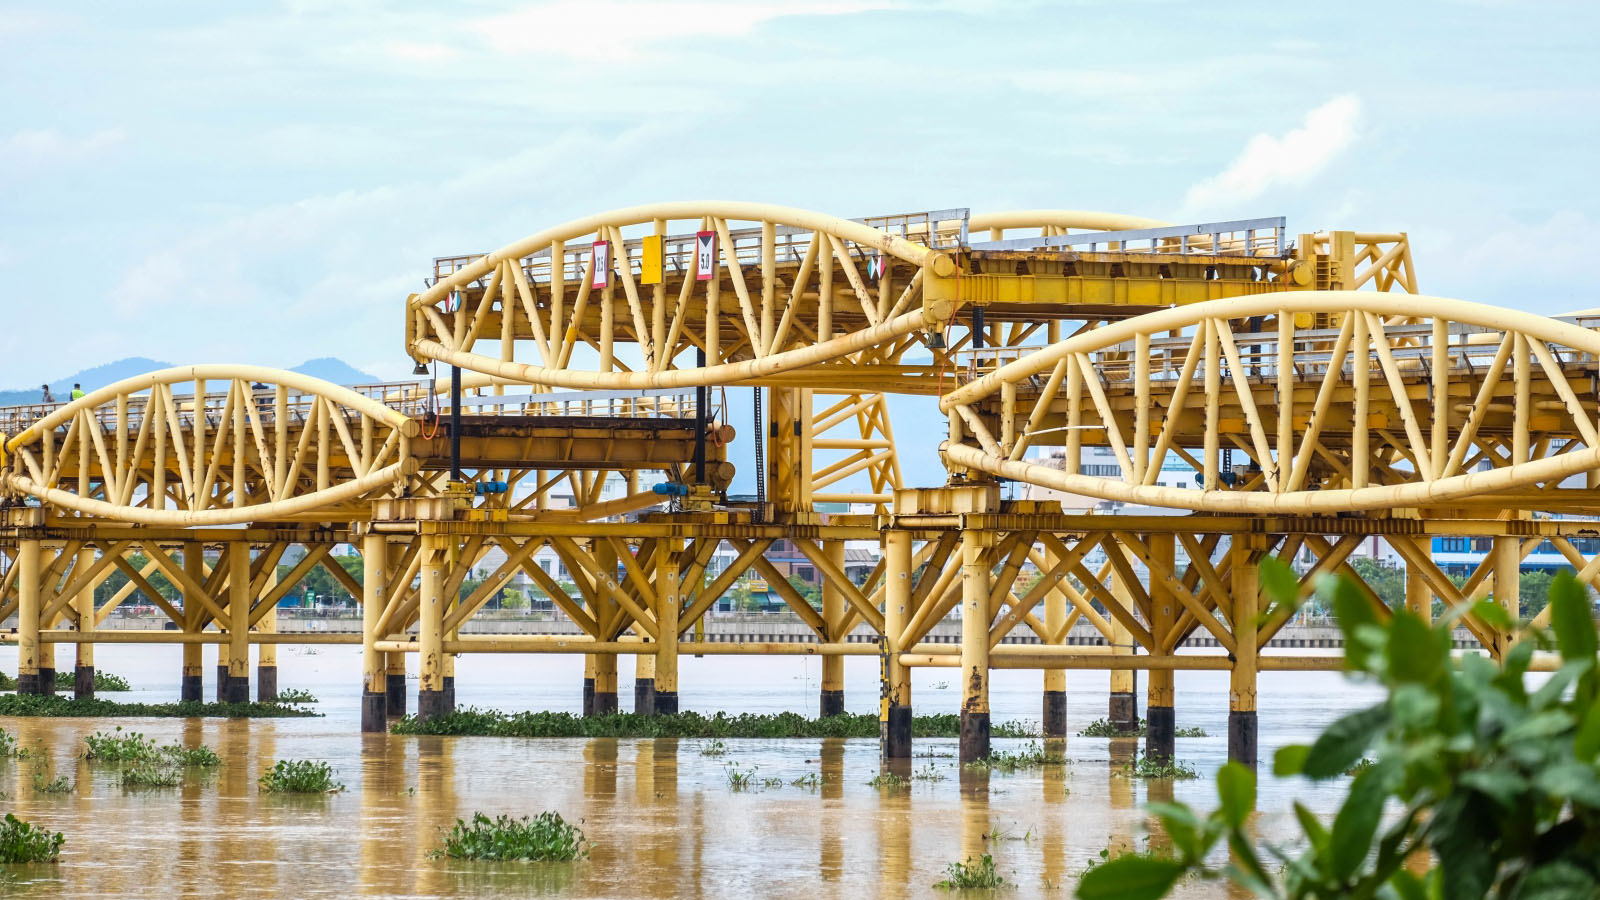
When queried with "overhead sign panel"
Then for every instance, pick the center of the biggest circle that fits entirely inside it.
(650, 259)
(600, 264)
(705, 255)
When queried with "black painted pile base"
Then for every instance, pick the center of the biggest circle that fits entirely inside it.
(396, 693)
(267, 684)
(1242, 737)
(83, 683)
(1160, 733)
(374, 711)
(974, 736)
(1055, 714)
(895, 740)
(831, 703)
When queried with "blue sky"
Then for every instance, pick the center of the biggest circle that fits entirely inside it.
(264, 183)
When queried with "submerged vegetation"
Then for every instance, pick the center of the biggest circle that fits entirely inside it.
(1031, 756)
(1142, 766)
(979, 875)
(543, 838)
(30, 705)
(482, 722)
(299, 776)
(1103, 728)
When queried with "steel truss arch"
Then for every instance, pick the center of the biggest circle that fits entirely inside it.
(814, 299)
(1363, 415)
(137, 451)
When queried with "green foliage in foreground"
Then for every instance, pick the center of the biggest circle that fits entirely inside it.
(543, 838)
(7, 683)
(471, 721)
(299, 776)
(65, 707)
(971, 876)
(21, 842)
(1497, 788)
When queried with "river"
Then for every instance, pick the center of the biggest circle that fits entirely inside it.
(660, 814)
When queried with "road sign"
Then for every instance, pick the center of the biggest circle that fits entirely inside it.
(650, 256)
(705, 255)
(600, 264)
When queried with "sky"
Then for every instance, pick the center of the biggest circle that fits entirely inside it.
(264, 183)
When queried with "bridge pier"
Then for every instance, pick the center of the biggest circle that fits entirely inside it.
(83, 610)
(395, 684)
(831, 700)
(1053, 715)
(668, 609)
(28, 647)
(431, 702)
(1159, 741)
(895, 724)
(192, 683)
(1122, 710)
(374, 677)
(644, 684)
(975, 616)
(238, 676)
(267, 654)
(1246, 584)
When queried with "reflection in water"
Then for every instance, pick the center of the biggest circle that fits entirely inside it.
(661, 816)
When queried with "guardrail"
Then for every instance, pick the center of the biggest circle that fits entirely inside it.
(1237, 237)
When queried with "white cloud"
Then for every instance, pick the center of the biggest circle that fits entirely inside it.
(1540, 267)
(46, 147)
(617, 30)
(1269, 162)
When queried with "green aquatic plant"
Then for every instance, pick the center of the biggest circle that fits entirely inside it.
(1142, 766)
(810, 781)
(201, 757)
(928, 773)
(299, 776)
(149, 775)
(1359, 766)
(715, 748)
(543, 724)
(54, 706)
(67, 681)
(740, 779)
(117, 747)
(889, 781)
(971, 876)
(1105, 728)
(8, 744)
(295, 695)
(1031, 756)
(1492, 789)
(543, 838)
(44, 784)
(1195, 732)
(21, 842)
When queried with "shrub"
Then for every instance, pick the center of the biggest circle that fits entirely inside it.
(299, 776)
(971, 876)
(21, 842)
(543, 838)
(1495, 788)
(147, 774)
(119, 747)
(67, 681)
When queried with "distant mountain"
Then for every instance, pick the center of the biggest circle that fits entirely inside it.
(327, 368)
(330, 368)
(97, 377)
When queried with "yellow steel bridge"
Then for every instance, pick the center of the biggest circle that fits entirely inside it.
(1319, 398)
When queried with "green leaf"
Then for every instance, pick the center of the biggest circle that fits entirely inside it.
(1550, 692)
(1558, 880)
(1407, 886)
(1414, 706)
(1182, 825)
(1356, 823)
(1290, 760)
(1540, 726)
(1315, 832)
(1236, 788)
(1586, 746)
(1130, 877)
(1414, 652)
(1505, 788)
(1492, 614)
(1572, 618)
(1570, 780)
(1353, 611)
(1338, 747)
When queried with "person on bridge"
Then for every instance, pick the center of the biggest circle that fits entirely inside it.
(77, 391)
(48, 397)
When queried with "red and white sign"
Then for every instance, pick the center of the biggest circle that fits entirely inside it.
(600, 263)
(705, 255)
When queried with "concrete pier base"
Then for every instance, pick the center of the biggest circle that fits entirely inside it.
(431, 705)
(644, 696)
(831, 703)
(666, 702)
(449, 694)
(588, 697)
(974, 736)
(1242, 737)
(47, 681)
(374, 711)
(896, 738)
(1159, 743)
(396, 694)
(267, 684)
(1054, 717)
(192, 689)
(605, 703)
(1123, 712)
(222, 683)
(238, 689)
(83, 683)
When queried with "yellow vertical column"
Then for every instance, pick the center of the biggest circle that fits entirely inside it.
(1054, 720)
(267, 653)
(1507, 588)
(83, 607)
(238, 622)
(1246, 583)
(831, 702)
(448, 605)
(975, 614)
(1159, 738)
(668, 606)
(191, 687)
(374, 674)
(895, 679)
(28, 583)
(430, 691)
(47, 649)
(1419, 597)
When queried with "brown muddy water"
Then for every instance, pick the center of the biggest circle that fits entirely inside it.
(660, 814)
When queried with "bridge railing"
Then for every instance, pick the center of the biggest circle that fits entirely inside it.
(1237, 237)
(665, 403)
